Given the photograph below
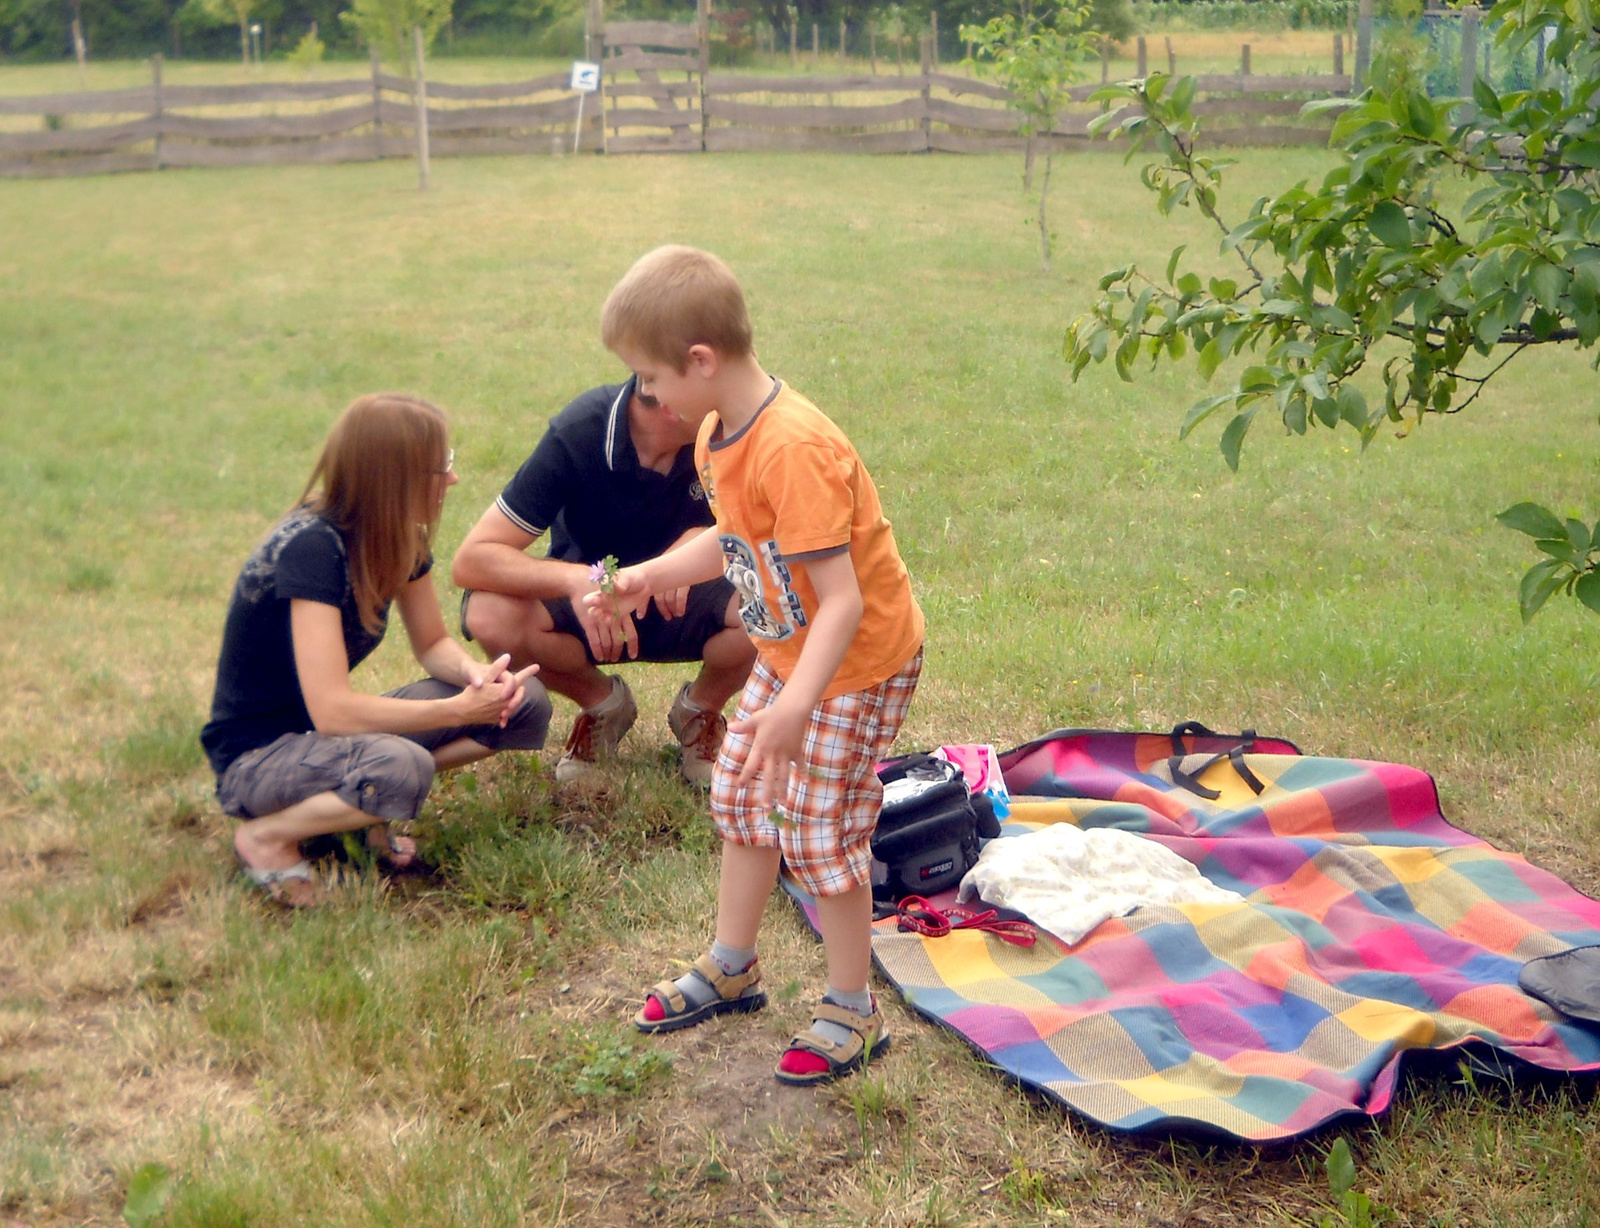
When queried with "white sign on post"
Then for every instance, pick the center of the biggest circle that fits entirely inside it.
(585, 81)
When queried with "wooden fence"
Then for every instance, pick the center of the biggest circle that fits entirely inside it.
(656, 95)
(159, 126)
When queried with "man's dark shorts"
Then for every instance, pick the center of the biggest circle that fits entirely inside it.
(386, 775)
(661, 640)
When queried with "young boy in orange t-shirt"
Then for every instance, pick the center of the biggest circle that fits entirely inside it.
(827, 601)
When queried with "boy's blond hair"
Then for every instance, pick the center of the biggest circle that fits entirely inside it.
(673, 298)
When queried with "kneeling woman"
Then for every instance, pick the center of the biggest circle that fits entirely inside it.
(295, 749)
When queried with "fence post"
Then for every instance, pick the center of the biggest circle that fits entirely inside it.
(1144, 59)
(872, 48)
(594, 42)
(1338, 54)
(794, 38)
(927, 92)
(900, 50)
(419, 94)
(816, 46)
(1363, 46)
(377, 104)
(1172, 58)
(1469, 55)
(1105, 60)
(841, 44)
(155, 89)
(1244, 59)
(703, 22)
(600, 95)
(933, 28)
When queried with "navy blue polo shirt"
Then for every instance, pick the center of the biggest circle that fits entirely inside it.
(584, 485)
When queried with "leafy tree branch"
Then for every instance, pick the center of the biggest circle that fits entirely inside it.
(1378, 263)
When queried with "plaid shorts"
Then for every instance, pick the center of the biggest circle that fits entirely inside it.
(832, 807)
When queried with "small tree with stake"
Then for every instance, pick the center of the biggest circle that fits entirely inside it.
(388, 25)
(402, 30)
(1038, 60)
(1377, 269)
(233, 11)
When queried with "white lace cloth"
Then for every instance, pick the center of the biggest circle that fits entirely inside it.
(1067, 880)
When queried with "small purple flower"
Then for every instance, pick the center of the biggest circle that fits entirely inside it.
(604, 574)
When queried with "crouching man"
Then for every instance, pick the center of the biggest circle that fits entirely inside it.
(614, 477)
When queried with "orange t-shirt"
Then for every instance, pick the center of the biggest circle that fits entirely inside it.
(788, 487)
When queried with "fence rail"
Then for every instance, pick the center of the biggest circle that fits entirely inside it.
(156, 126)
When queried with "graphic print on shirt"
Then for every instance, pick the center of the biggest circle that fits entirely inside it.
(744, 572)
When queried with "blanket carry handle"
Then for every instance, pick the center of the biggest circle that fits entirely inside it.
(1234, 755)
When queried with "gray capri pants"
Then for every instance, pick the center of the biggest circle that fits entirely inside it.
(386, 775)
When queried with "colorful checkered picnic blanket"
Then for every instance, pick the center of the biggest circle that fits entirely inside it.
(1371, 928)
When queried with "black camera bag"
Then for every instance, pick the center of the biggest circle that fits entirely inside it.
(928, 831)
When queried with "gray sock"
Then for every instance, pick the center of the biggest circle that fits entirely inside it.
(731, 960)
(858, 1003)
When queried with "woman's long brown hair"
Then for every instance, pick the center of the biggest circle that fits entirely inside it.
(377, 481)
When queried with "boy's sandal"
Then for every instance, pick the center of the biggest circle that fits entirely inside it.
(737, 992)
(294, 887)
(867, 1041)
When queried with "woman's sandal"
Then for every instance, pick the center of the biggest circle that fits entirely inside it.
(293, 887)
(737, 993)
(868, 1040)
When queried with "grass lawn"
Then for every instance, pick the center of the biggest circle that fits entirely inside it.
(454, 1050)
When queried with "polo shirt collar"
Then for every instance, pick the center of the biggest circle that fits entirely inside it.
(618, 440)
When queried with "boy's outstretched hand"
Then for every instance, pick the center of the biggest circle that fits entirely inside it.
(777, 749)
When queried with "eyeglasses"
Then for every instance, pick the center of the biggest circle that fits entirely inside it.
(449, 463)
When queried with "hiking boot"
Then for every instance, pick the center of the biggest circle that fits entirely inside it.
(699, 732)
(596, 733)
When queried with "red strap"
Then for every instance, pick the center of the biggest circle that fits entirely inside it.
(917, 916)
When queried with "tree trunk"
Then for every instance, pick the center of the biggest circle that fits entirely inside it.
(1044, 224)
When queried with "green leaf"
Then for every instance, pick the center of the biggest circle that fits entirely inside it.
(1113, 277)
(1257, 379)
(1560, 548)
(1341, 1167)
(1172, 261)
(1582, 153)
(1532, 519)
(1483, 94)
(1547, 282)
(1587, 590)
(1390, 225)
(148, 1191)
(1201, 410)
(1540, 581)
(1424, 119)
(1183, 95)
(1233, 438)
(1210, 358)
(1353, 406)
